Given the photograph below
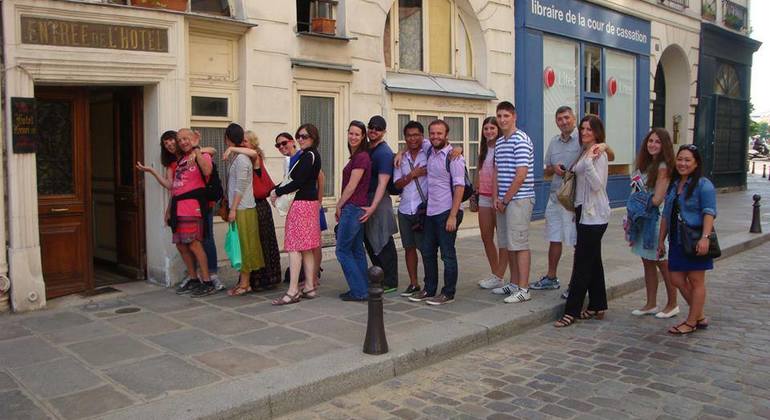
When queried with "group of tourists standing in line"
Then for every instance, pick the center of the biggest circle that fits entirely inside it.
(668, 193)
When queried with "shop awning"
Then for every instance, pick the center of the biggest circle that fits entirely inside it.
(423, 84)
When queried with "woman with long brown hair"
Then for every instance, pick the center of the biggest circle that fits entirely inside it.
(649, 183)
(592, 214)
(497, 258)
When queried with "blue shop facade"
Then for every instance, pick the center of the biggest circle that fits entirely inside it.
(593, 59)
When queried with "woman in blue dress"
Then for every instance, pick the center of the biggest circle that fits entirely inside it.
(691, 199)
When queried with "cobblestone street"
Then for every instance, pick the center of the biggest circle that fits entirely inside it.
(621, 367)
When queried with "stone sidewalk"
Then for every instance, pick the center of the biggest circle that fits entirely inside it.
(147, 353)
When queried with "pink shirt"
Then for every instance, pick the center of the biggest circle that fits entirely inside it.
(485, 174)
(188, 177)
(440, 184)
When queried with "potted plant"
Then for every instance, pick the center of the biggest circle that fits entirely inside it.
(708, 12)
(733, 21)
(322, 17)
(178, 5)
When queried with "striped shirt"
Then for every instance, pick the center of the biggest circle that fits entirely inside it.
(510, 153)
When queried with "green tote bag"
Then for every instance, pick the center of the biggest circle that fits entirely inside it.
(233, 246)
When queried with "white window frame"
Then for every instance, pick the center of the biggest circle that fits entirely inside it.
(458, 18)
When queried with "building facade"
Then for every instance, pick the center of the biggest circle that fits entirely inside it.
(107, 79)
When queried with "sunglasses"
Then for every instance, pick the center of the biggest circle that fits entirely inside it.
(690, 147)
(281, 144)
(303, 136)
(376, 129)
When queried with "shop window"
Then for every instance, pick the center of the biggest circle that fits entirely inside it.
(317, 16)
(211, 7)
(206, 106)
(213, 137)
(727, 82)
(561, 65)
(620, 110)
(592, 74)
(320, 110)
(427, 36)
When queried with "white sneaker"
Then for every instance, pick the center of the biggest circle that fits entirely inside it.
(640, 312)
(507, 289)
(666, 315)
(520, 296)
(491, 282)
(218, 285)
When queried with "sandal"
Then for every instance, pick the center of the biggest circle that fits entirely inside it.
(677, 329)
(702, 324)
(310, 294)
(565, 321)
(292, 299)
(239, 290)
(588, 314)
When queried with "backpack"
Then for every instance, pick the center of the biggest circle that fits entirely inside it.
(468, 191)
(214, 190)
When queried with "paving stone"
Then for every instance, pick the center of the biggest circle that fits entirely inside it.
(289, 316)
(54, 321)
(501, 407)
(335, 328)
(719, 411)
(58, 377)
(189, 341)
(145, 323)
(191, 315)
(389, 317)
(498, 395)
(26, 351)
(228, 323)
(557, 411)
(109, 350)
(17, 406)
(236, 361)
(406, 327)
(576, 405)
(159, 375)
(261, 308)
(164, 301)
(7, 382)
(82, 332)
(12, 330)
(90, 403)
(272, 336)
(431, 314)
(500, 416)
(310, 348)
(406, 414)
(224, 301)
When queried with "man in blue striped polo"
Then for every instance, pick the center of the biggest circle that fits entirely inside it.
(514, 182)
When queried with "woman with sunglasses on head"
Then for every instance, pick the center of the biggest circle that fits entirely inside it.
(649, 183)
(691, 200)
(350, 234)
(302, 228)
(592, 214)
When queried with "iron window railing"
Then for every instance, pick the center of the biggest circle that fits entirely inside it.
(734, 16)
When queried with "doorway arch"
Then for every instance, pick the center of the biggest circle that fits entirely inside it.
(672, 79)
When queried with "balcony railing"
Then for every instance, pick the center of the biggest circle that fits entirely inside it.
(734, 16)
(708, 10)
(679, 4)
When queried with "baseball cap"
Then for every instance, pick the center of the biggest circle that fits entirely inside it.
(377, 123)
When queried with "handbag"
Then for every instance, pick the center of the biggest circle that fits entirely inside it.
(233, 246)
(262, 183)
(283, 202)
(566, 193)
(689, 237)
(418, 222)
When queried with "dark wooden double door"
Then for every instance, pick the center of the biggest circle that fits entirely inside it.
(64, 185)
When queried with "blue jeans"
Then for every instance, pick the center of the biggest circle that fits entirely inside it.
(436, 237)
(350, 250)
(208, 243)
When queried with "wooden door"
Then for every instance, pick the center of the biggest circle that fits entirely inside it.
(64, 190)
(129, 183)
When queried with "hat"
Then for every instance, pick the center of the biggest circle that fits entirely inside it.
(377, 122)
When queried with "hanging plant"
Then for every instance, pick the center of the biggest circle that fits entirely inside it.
(733, 21)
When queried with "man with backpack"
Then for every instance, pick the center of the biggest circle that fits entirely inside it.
(379, 217)
(446, 187)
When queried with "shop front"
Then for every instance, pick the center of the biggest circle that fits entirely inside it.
(590, 58)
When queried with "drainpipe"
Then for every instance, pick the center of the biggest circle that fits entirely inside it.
(5, 283)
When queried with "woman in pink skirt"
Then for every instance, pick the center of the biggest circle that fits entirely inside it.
(302, 232)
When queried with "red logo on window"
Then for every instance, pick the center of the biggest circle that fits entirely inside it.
(549, 77)
(612, 86)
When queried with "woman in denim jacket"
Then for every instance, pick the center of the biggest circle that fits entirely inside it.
(691, 199)
(649, 181)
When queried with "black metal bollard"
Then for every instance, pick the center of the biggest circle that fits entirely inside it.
(752, 167)
(763, 170)
(756, 225)
(375, 341)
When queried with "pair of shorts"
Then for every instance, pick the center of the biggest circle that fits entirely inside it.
(559, 223)
(513, 225)
(409, 238)
(485, 201)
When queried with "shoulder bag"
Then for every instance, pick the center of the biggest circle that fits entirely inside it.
(263, 184)
(283, 202)
(418, 224)
(566, 193)
(689, 237)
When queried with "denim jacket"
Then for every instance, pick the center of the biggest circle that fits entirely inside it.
(703, 201)
(643, 217)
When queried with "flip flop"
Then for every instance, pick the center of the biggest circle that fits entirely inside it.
(238, 291)
(677, 329)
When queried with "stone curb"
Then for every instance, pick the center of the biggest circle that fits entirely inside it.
(283, 390)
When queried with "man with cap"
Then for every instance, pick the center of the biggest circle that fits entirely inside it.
(380, 220)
